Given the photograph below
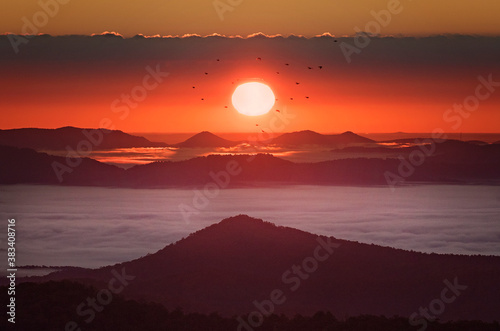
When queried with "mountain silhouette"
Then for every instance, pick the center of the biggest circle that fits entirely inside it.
(206, 139)
(349, 137)
(308, 137)
(26, 166)
(261, 170)
(229, 266)
(477, 142)
(451, 162)
(449, 147)
(61, 138)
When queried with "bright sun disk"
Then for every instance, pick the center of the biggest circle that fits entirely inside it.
(253, 99)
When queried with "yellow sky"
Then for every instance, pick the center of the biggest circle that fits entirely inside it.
(243, 17)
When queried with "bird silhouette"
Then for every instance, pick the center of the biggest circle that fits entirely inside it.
(297, 83)
(310, 68)
(202, 99)
(287, 64)
(194, 86)
(262, 131)
(225, 106)
(278, 110)
(256, 125)
(259, 59)
(291, 98)
(307, 97)
(321, 67)
(278, 72)
(206, 73)
(218, 60)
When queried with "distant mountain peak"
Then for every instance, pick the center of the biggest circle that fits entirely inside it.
(307, 131)
(206, 134)
(308, 137)
(207, 139)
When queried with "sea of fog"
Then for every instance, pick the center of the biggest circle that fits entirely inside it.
(92, 227)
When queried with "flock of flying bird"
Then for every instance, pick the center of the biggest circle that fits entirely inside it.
(277, 72)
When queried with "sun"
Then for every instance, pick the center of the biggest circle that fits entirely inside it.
(253, 99)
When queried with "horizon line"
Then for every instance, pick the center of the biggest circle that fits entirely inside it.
(244, 132)
(254, 35)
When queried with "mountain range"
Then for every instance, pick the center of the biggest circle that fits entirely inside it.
(102, 139)
(73, 138)
(308, 137)
(450, 162)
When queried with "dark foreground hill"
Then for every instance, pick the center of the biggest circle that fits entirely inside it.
(53, 306)
(242, 264)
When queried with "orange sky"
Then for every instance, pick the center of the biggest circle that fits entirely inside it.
(390, 86)
(177, 17)
(341, 97)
